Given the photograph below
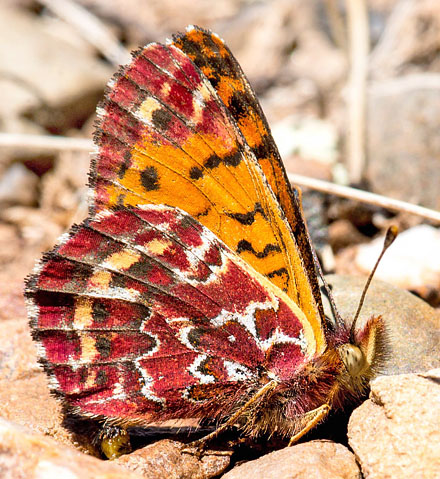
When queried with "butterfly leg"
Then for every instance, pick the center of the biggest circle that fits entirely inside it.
(310, 419)
(200, 444)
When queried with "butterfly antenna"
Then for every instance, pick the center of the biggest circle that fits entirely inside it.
(390, 236)
(328, 292)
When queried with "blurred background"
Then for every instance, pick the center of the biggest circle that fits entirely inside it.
(351, 90)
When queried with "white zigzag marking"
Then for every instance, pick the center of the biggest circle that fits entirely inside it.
(194, 370)
(238, 372)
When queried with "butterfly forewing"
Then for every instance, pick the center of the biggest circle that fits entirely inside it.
(143, 314)
(165, 137)
(220, 67)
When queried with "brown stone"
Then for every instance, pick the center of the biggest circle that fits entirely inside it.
(310, 460)
(342, 233)
(410, 41)
(396, 433)
(411, 263)
(23, 454)
(18, 185)
(165, 459)
(24, 392)
(55, 81)
(403, 125)
(412, 326)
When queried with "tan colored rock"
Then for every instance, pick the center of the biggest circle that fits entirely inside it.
(413, 327)
(411, 263)
(18, 185)
(41, 71)
(310, 460)
(164, 459)
(396, 433)
(343, 233)
(403, 147)
(35, 456)
(24, 392)
(411, 40)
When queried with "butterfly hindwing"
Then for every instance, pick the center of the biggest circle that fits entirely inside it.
(165, 137)
(137, 314)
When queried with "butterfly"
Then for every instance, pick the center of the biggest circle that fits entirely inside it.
(191, 291)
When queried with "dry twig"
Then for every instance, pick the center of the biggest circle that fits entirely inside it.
(365, 197)
(62, 143)
(358, 34)
(44, 142)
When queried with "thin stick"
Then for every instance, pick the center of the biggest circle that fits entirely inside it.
(364, 197)
(358, 34)
(90, 28)
(63, 143)
(44, 142)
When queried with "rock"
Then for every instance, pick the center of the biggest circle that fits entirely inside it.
(64, 193)
(396, 433)
(410, 42)
(310, 138)
(37, 230)
(342, 233)
(271, 29)
(9, 243)
(18, 186)
(14, 266)
(44, 76)
(403, 125)
(23, 454)
(164, 459)
(310, 460)
(24, 392)
(411, 263)
(413, 327)
(300, 95)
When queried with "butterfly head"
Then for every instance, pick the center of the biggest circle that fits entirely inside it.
(364, 349)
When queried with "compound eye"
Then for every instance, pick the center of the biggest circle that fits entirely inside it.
(353, 359)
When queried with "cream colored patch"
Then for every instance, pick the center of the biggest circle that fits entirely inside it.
(100, 279)
(166, 88)
(83, 313)
(88, 349)
(205, 92)
(147, 108)
(123, 259)
(91, 379)
(157, 247)
(198, 109)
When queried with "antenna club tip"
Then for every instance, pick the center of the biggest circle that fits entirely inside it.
(391, 235)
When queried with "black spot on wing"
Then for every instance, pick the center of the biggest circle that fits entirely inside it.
(238, 104)
(100, 312)
(195, 173)
(277, 272)
(245, 245)
(125, 165)
(213, 162)
(150, 178)
(161, 118)
(103, 346)
(249, 217)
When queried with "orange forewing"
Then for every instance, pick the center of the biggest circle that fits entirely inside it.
(213, 57)
(165, 137)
